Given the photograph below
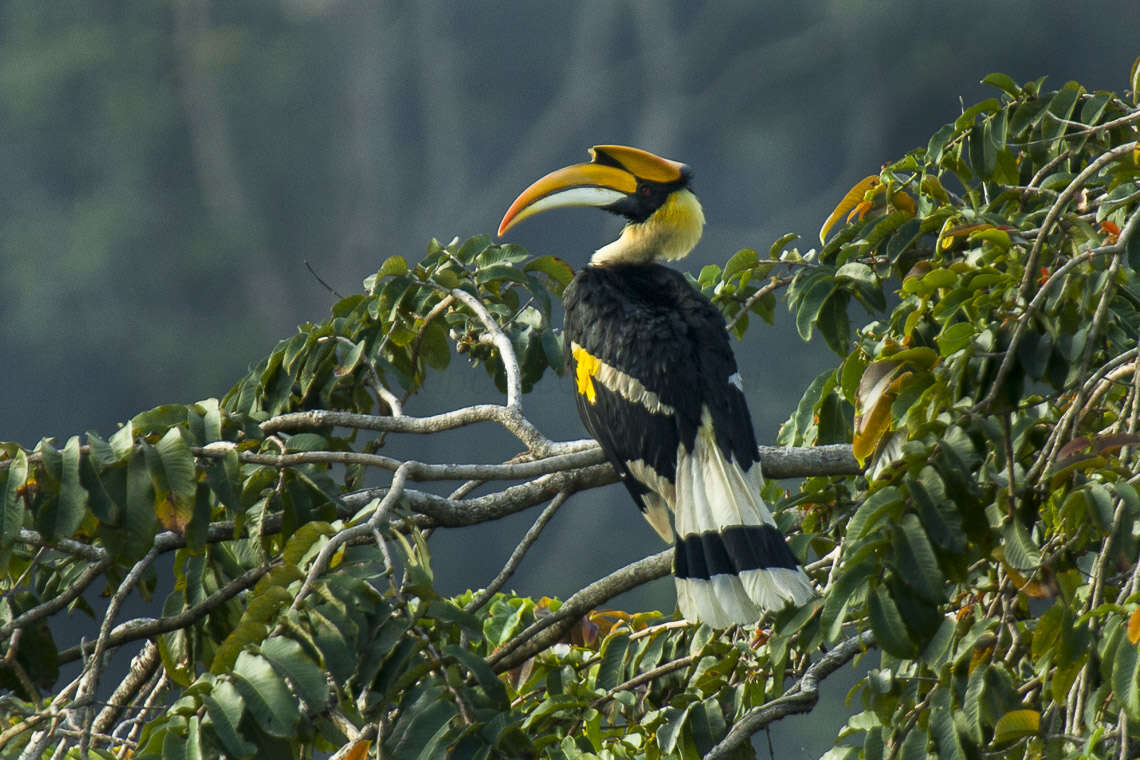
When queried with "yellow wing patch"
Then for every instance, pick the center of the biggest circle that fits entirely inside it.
(587, 367)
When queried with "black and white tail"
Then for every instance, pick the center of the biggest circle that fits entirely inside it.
(730, 560)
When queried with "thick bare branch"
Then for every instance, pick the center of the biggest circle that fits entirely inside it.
(799, 698)
(511, 419)
(145, 628)
(548, 630)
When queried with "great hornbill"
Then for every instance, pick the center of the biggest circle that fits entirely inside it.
(657, 386)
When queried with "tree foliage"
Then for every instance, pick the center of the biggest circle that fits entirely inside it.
(988, 550)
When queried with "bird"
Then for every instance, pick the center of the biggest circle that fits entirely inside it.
(657, 385)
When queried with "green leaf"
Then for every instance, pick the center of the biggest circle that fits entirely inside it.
(1126, 678)
(943, 729)
(914, 745)
(176, 497)
(393, 266)
(158, 420)
(940, 520)
(848, 587)
(303, 540)
(1016, 724)
(916, 561)
(224, 708)
(983, 156)
(954, 337)
(873, 510)
(741, 260)
(937, 651)
(972, 702)
(1047, 634)
(989, 105)
(842, 752)
(612, 667)
(938, 143)
(478, 667)
(834, 325)
(11, 488)
(1060, 110)
(291, 661)
(62, 518)
(669, 734)
(1020, 550)
(472, 247)
(555, 268)
(887, 623)
(812, 298)
(1003, 82)
(781, 242)
(139, 520)
(421, 727)
(272, 706)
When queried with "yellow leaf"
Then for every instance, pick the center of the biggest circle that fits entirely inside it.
(981, 654)
(903, 202)
(932, 187)
(1134, 626)
(1016, 724)
(169, 515)
(359, 751)
(1029, 586)
(877, 391)
(851, 200)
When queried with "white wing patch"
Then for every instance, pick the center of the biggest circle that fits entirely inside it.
(659, 503)
(713, 493)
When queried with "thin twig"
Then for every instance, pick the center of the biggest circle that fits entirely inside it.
(1015, 340)
(517, 555)
(773, 284)
(547, 630)
(94, 668)
(146, 628)
(318, 278)
(415, 470)
(57, 603)
(1059, 205)
(800, 697)
(366, 529)
(511, 419)
(502, 342)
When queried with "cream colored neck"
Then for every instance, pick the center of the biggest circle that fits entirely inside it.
(670, 233)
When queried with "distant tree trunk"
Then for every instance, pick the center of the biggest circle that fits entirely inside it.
(214, 160)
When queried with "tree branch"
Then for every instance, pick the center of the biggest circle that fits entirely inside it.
(801, 697)
(517, 555)
(548, 630)
(147, 628)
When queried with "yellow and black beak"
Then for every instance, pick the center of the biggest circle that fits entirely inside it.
(625, 180)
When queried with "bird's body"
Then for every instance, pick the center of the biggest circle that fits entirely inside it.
(657, 386)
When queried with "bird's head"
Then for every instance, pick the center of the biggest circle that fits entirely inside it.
(652, 193)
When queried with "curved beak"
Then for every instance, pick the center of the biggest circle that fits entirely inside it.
(611, 176)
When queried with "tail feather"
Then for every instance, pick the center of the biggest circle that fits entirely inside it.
(731, 562)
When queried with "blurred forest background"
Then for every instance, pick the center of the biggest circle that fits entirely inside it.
(167, 170)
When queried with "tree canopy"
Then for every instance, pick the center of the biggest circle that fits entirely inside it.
(969, 510)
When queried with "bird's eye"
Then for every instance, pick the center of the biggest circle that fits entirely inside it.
(645, 190)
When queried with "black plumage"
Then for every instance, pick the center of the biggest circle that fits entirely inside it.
(647, 321)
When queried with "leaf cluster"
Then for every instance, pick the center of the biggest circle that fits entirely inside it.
(991, 545)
